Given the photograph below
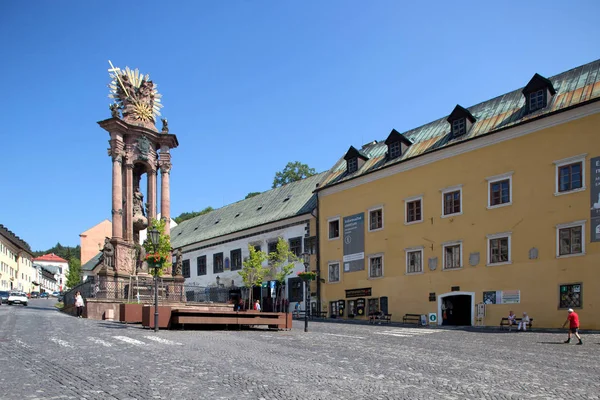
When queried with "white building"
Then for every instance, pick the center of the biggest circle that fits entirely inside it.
(16, 267)
(214, 245)
(47, 277)
(61, 265)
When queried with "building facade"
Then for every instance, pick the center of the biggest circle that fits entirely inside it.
(16, 266)
(57, 266)
(215, 245)
(491, 209)
(92, 240)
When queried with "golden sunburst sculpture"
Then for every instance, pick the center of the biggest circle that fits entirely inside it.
(134, 94)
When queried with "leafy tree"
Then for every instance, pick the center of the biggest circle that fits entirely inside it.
(281, 264)
(253, 271)
(293, 171)
(189, 215)
(251, 194)
(65, 252)
(74, 276)
(164, 245)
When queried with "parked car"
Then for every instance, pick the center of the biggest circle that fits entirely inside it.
(17, 298)
(44, 295)
(4, 297)
(55, 294)
(34, 295)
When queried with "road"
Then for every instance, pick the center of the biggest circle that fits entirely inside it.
(45, 354)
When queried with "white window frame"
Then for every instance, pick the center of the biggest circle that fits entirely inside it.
(566, 161)
(411, 199)
(371, 256)
(339, 264)
(571, 225)
(496, 178)
(462, 259)
(414, 250)
(329, 220)
(456, 188)
(369, 214)
(499, 236)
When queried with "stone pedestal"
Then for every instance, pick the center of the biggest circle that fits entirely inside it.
(124, 257)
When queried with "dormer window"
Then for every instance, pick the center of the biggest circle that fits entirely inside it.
(394, 150)
(460, 121)
(352, 165)
(354, 160)
(397, 144)
(538, 93)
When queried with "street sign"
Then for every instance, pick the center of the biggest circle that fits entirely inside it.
(272, 284)
(432, 318)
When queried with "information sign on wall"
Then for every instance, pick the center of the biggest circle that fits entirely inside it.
(595, 199)
(502, 297)
(354, 243)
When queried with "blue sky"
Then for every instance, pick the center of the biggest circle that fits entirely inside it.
(248, 86)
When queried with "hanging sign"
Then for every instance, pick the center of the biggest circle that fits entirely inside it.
(595, 199)
(354, 243)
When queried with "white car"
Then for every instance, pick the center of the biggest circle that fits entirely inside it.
(17, 298)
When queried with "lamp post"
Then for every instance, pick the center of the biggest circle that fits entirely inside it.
(306, 261)
(154, 235)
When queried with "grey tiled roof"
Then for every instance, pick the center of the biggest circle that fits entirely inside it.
(91, 264)
(284, 202)
(575, 87)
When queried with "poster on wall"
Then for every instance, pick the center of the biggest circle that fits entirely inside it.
(354, 243)
(360, 307)
(502, 297)
(595, 199)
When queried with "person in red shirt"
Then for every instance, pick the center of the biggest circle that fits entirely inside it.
(573, 320)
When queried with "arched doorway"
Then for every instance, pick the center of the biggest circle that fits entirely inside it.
(456, 309)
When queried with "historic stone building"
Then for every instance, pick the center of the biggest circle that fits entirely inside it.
(215, 245)
(16, 266)
(495, 204)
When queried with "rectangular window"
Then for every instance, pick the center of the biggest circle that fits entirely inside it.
(376, 219)
(310, 245)
(295, 290)
(500, 190)
(217, 263)
(537, 100)
(296, 246)
(452, 201)
(414, 211)
(236, 259)
(499, 248)
(334, 228)
(395, 150)
(352, 165)
(459, 127)
(570, 240)
(257, 248)
(185, 268)
(334, 272)
(570, 177)
(570, 296)
(414, 261)
(272, 247)
(452, 256)
(376, 266)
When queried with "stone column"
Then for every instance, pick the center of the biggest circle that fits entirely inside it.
(117, 195)
(151, 195)
(165, 196)
(129, 199)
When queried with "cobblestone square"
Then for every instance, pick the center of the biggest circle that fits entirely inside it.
(48, 355)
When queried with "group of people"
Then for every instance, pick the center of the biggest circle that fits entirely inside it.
(512, 320)
(240, 305)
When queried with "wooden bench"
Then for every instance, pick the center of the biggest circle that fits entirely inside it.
(504, 322)
(412, 319)
(386, 318)
(190, 316)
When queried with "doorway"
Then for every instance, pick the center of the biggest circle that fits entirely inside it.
(456, 309)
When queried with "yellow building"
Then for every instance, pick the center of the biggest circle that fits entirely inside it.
(496, 204)
(16, 265)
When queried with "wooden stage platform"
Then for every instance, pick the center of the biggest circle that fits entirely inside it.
(181, 316)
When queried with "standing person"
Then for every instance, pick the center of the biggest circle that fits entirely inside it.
(524, 322)
(297, 309)
(79, 304)
(573, 320)
(257, 305)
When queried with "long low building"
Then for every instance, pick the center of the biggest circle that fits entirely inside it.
(493, 208)
(16, 263)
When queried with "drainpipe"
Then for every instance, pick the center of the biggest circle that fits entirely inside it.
(318, 260)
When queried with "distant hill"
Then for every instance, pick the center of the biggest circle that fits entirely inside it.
(66, 252)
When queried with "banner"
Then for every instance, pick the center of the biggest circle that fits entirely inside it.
(502, 297)
(595, 199)
(354, 243)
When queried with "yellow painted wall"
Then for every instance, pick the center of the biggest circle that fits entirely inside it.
(532, 219)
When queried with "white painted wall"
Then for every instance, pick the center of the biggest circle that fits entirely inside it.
(227, 276)
(61, 277)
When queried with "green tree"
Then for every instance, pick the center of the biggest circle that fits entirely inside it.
(189, 215)
(253, 271)
(293, 171)
(252, 194)
(281, 265)
(164, 245)
(74, 276)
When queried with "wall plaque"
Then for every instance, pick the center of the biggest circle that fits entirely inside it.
(358, 292)
(533, 253)
(433, 264)
(474, 259)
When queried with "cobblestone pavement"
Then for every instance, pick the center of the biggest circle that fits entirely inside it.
(45, 354)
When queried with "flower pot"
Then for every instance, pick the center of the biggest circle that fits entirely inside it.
(130, 313)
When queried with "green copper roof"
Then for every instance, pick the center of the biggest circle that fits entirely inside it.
(573, 88)
(284, 202)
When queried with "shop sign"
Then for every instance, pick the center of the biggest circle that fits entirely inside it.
(341, 307)
(360, 307)
(502, 297)
(354, 243)
(358, 292)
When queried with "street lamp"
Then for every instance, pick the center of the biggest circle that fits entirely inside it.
(154, 240)
(306, 261)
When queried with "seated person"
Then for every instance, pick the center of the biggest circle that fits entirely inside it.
(511, 320)
(524, 322)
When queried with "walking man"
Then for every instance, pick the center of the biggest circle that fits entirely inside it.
(573, 320)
